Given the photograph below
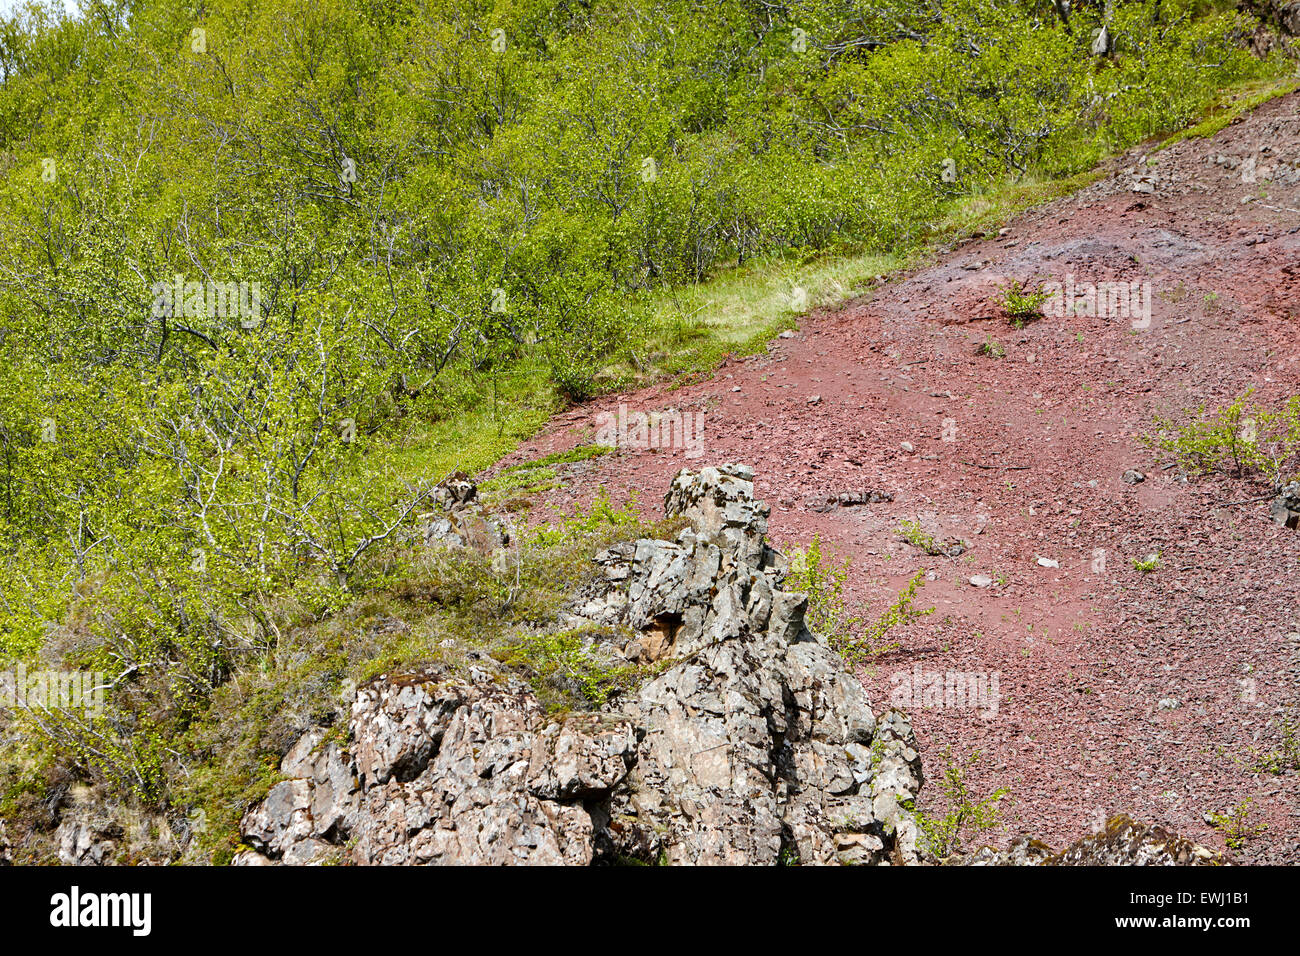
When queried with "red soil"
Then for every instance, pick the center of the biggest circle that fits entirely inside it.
(1042, 437)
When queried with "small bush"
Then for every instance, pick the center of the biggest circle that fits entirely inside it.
(1241, 440)
(967, 816)
(823, 580)
(1236, 825)
(1023, 304)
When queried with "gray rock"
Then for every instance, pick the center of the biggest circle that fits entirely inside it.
(753, 745)
(459, 521)
(1286, 506)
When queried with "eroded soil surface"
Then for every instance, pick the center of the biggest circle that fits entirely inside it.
(1120, 691)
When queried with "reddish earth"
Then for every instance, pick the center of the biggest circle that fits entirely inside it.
(1039, 441)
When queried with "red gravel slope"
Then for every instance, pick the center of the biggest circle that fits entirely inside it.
(1119, 691)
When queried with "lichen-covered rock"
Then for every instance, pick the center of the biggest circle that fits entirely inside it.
(459, 521)
(444, 769)
(1122, 842)
(1126, 843)
(1286, 506)
(1023, 851)
(88, 835)
(757, 747)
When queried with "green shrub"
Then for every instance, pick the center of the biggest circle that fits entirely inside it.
(1240, 439)
(966, 817)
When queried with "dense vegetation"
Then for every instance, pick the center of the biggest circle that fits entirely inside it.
(438, 211)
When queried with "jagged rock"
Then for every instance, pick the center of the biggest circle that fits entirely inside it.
(752, 746)
(460, 521)
(447, 769)
(1122, 843)
(1126, 843)
(87, 837)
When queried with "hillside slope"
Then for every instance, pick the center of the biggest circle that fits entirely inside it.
(1152, 693)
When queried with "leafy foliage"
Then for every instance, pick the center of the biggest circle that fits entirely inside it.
(1023, 303)
(967, 816)
(1241, 439)
(823, 580)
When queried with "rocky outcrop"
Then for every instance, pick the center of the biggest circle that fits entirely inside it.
(444, 769)
(1123, 842)
(752, 745)
(459, 520)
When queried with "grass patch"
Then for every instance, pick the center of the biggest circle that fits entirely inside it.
(1231, 104)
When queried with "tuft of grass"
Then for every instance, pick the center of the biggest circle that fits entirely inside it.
(574, 664)
(912, 532)
(541, 474)
(1149, 564)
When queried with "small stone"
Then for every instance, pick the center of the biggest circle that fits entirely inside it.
(1048, 563)
(1134, 477)
(1169, 703)
(908, 447)
(814, 399)
(981, 580)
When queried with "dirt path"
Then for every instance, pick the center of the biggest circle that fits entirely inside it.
(1119, 691)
